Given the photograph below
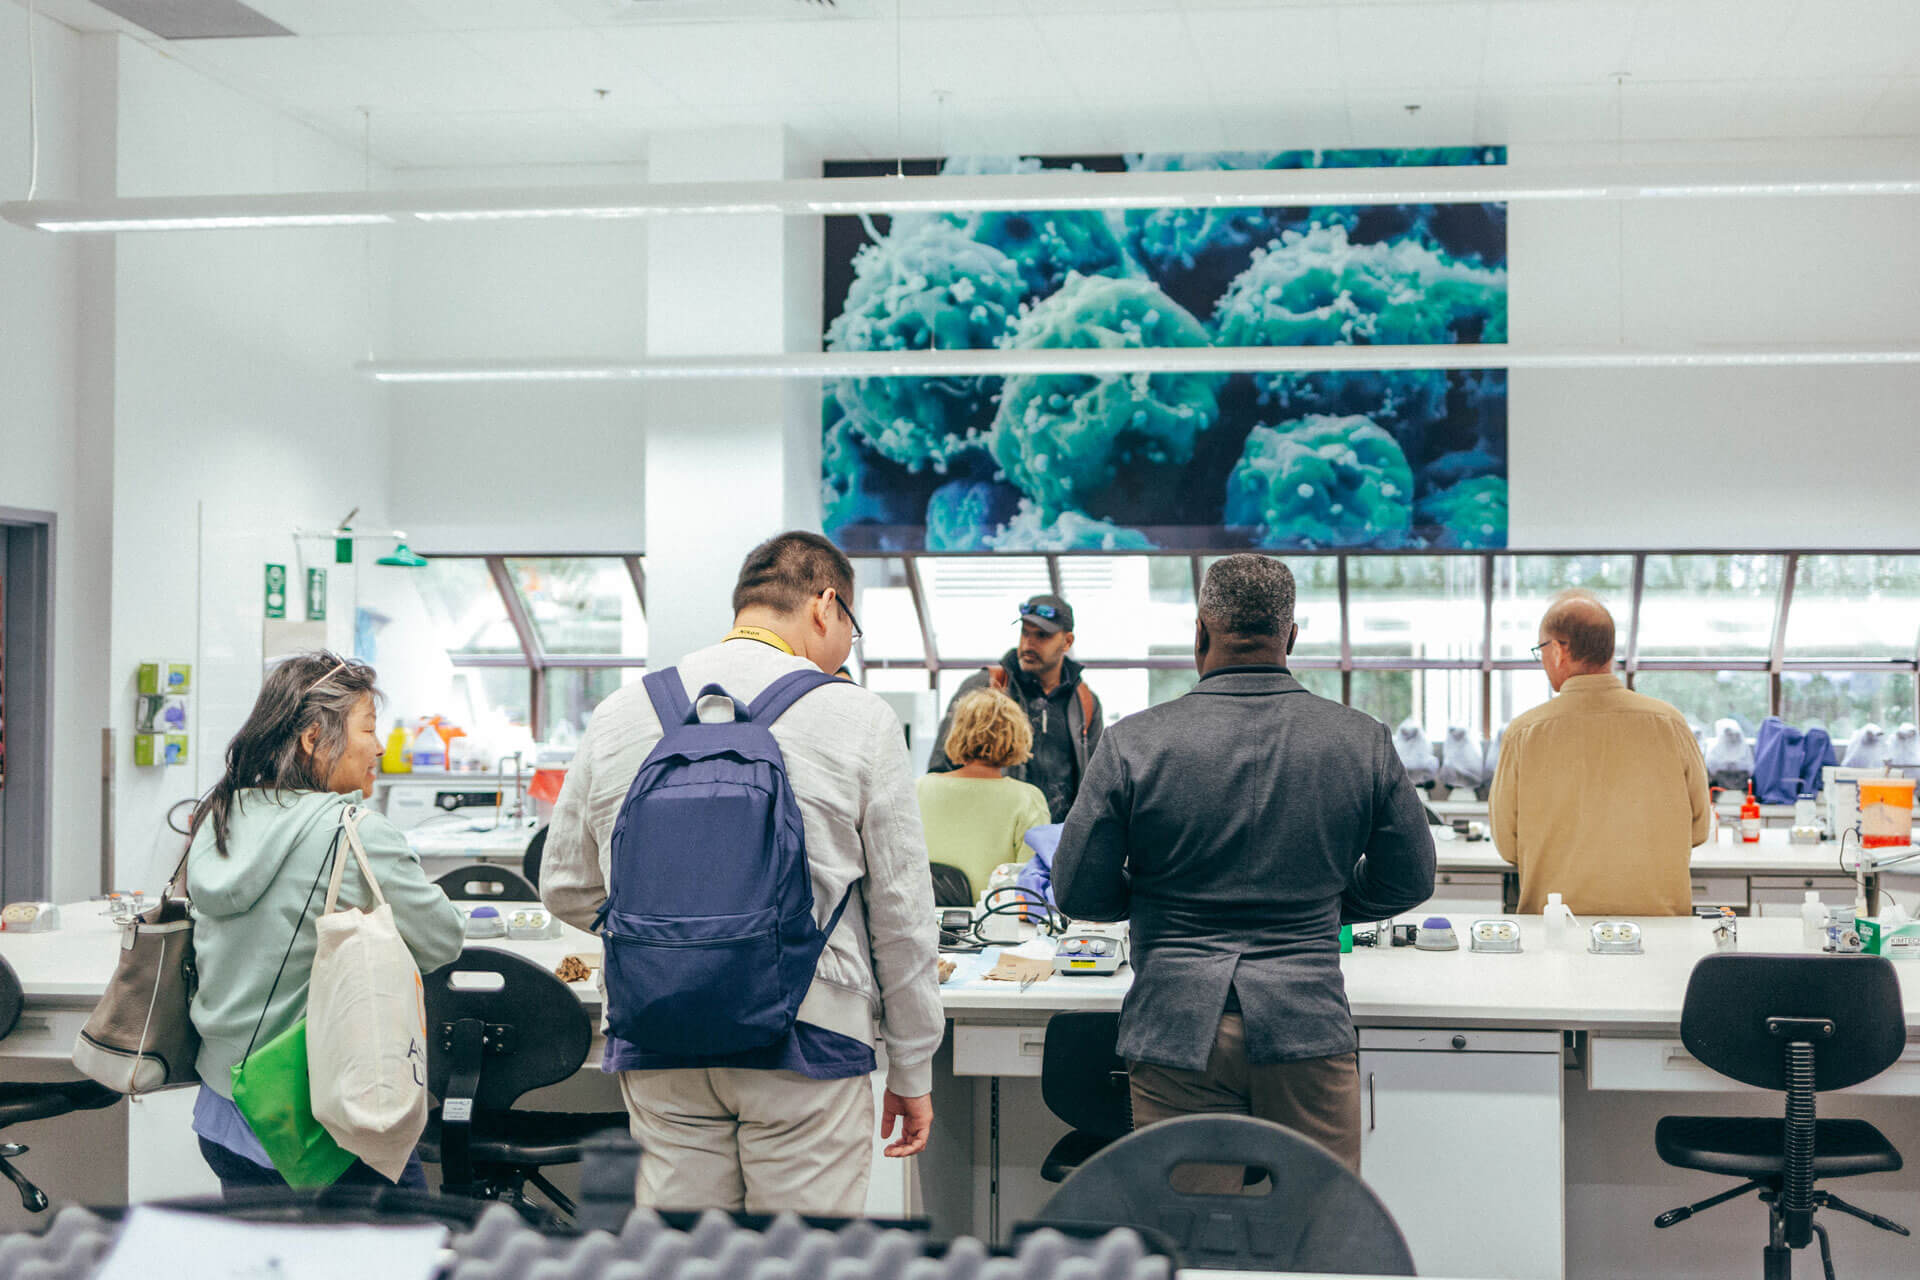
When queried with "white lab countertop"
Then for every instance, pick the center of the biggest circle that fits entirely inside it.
(1403, 986)
(470, 839)
(1397, 986)
(1774, 854)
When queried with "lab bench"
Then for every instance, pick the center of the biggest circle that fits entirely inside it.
(1515, 1093)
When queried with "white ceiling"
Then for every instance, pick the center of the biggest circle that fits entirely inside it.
(478, 82)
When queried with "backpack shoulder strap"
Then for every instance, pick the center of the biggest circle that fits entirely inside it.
(1086, 707)
(774, 701)
(997, 678)
(669, 697)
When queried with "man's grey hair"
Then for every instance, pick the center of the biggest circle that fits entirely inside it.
(1248, 595)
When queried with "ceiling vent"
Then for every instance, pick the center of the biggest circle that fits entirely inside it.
(195, 19)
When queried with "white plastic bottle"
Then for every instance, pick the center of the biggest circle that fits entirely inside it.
(1560, 926)
(1813, 922)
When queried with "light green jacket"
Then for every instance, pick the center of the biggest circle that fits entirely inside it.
(249, 903)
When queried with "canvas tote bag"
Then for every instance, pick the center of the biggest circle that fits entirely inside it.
(366, 1025)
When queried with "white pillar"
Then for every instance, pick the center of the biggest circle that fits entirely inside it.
(729, 462)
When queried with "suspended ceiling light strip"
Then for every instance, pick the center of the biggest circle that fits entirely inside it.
(998, 362)
(1049, 190)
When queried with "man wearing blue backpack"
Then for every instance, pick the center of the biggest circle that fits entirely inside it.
(742, 832)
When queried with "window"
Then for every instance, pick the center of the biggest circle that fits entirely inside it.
(1843, 702)
(1709, 606)
(465, 607)
(974, 602)
(1416, 607)
(574, 692)
(1418, 629)
(1706, 697)
(883, 601)
(534, 643)
(1855, 607)
(580, 605)
(1523, 586)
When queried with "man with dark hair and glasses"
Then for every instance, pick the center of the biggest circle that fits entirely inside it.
(1038, 674)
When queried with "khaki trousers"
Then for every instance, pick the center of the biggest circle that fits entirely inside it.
(763, 1141)
(1319, 1098)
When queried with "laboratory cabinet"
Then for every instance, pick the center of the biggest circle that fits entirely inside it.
(1461, 1138)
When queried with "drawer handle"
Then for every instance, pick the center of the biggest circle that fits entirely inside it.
(1371, 1111)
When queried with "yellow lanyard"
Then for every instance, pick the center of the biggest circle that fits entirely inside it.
(762, 635)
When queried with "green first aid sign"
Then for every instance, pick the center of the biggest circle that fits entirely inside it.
(276, 599)
(316, 594)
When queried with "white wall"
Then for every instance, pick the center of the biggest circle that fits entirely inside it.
(1818, 457)
(238, 416)
(505, 466)
(47, 462)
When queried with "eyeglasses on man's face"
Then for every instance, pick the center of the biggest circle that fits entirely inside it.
(1543, 644)
(851, 620)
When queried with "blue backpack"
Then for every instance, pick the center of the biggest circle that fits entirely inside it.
(708, 927)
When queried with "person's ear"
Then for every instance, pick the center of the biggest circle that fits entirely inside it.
(1068, 635)
(309, 740)
(821, 612)
(1201, 640)
(1293, 637)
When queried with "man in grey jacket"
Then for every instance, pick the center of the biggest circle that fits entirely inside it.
(1238, 827)
(789, 1127)
(1065, 711)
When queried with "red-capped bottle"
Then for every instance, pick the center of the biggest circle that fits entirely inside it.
(1750, 818)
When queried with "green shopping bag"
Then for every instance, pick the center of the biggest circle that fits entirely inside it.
(271, 1088)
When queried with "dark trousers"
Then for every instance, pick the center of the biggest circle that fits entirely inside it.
(1319, 1097)
(237, 1173)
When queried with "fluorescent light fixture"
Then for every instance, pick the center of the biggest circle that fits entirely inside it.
(1052, 189)
(1001, 362)
(216, 223)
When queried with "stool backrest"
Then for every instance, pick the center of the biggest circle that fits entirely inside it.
(535, 855)
(1318, 1216)
(1731, 996)
(11, 999)
(482, 883)
(951, 888)
(1083, 1078)
(537, 1031)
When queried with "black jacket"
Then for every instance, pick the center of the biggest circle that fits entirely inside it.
(1237, 827)
(1056, 772)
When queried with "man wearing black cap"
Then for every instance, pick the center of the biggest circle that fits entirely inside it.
(1040, 676)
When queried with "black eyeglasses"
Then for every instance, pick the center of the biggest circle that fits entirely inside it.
(1047, 611)
(851, 620)
(1543, 644)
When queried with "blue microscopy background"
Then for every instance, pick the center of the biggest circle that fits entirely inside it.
(1178, 462)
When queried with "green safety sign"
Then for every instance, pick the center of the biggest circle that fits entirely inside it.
(276, 591)
(316, 594)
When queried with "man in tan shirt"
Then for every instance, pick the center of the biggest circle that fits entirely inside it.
(1601, 794)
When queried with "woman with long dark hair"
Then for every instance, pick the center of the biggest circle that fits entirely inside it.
(260, 838)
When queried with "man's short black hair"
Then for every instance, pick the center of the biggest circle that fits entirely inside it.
(785, 572)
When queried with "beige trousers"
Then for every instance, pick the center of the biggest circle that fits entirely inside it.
(1319, 1097)
(763, 1141)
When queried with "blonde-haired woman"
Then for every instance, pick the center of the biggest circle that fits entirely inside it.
(976, 815)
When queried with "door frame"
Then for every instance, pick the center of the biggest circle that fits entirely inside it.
(26, 575)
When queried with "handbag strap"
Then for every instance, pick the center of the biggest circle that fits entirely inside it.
(350, 824)
(333, 850)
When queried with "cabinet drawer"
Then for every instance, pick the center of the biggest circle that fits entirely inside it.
(998, 1051)
(1441, 1040)
(1664, 1066)
(1720, 891)
(1801, 883)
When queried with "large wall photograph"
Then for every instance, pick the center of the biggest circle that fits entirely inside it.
(1403, 459)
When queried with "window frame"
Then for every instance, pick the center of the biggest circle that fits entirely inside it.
(533, 656)
(1776, 664)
